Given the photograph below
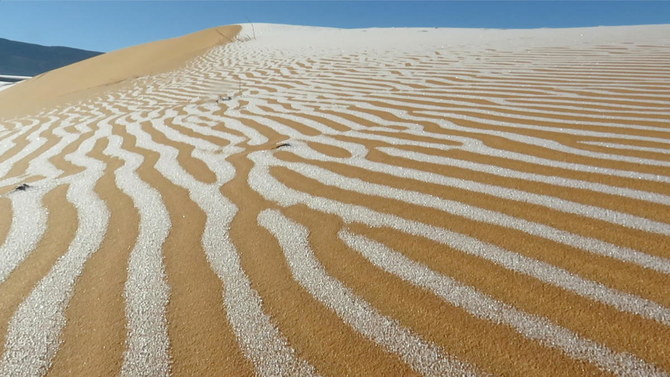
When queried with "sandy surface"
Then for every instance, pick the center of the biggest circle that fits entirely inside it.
(281, 200)
(109, 72)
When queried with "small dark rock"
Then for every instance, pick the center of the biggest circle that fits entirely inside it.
(22, 187)
(282, 145)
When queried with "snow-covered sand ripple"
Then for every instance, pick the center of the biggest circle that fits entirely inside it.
(519, 179)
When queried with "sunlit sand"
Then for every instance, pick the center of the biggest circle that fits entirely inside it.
(280, 200)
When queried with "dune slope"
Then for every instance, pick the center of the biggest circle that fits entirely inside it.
(311, 201)
(109, 71)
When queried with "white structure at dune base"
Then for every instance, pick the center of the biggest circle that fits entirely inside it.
(5, 85)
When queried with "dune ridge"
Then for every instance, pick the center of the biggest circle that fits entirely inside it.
(351, 202)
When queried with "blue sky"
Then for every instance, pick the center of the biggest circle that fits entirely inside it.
(109, 25)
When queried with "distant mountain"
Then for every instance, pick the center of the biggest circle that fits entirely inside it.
(27, 59)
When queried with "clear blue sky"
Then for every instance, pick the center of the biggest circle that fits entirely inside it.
(109, 25)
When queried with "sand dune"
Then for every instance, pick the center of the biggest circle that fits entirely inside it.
(109, 71)
(279, 200)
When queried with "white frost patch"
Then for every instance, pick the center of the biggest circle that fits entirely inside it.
(424, 357)
(29, 221)
(563, 205)
(34, 330)
(146, 290)
(270, 188)
(260, 36)
(484, 215)
(485, 307)
(259, 338)
(510, 173)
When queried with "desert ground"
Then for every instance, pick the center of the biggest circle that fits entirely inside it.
(274, 200)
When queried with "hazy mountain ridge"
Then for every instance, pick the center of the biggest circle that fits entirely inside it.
(27, 59)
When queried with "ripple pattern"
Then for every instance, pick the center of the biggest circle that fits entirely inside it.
(370, 209)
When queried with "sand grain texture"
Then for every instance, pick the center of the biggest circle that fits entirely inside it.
(275, 200)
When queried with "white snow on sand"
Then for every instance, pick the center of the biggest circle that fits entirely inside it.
(325, 85)
(291, 37)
